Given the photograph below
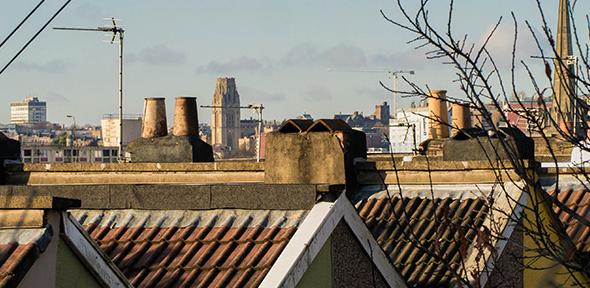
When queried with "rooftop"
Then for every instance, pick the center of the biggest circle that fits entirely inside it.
(207, 248)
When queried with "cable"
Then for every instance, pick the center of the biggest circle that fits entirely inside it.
(35, 36)
(21, 23)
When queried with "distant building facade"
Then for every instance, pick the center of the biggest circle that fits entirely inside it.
(409, 123)
(60, 154)
(382, 113)
(28, 111)
(225, 122)
(110, 129)
(248, 127)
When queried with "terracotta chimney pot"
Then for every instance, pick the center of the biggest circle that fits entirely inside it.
(461, 116)
(186, 120)
(438, 114)
(154, 118)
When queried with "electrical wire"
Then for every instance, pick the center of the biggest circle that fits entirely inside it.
(35, 36)
(21, 24)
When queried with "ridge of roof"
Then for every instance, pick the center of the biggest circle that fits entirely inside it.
(311, 236)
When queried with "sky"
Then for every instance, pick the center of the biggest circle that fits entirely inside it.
(293, 57)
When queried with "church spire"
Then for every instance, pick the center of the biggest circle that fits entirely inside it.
(563, 82)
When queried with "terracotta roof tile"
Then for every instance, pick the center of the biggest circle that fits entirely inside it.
(573, 210)
(210, 248)
(399, 225)
(19, 249)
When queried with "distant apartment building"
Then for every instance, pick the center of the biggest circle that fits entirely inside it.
(60, 154)
(28, 111)
(110, 129)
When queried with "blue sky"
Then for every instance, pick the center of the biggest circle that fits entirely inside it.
(279, 52)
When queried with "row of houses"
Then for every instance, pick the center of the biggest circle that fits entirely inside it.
(311, 215)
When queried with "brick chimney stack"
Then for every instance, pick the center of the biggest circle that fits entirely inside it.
(438, 114)
(154, 118)
(186, 120)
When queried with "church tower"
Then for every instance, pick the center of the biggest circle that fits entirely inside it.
(225, 122)
(564, 109)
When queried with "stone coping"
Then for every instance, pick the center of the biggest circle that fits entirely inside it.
(138, 167)
(178, 196)
(434, 164)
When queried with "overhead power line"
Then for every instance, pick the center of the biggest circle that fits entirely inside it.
(35, 36)
(21, 23)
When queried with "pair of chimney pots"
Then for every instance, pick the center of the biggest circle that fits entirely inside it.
(439, 115)
(186, 120)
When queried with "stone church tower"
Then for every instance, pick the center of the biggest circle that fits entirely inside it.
(564, 109)
(225, 122)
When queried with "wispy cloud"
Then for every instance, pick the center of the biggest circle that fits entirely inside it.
(500, 45)
(235, 65)
(157, 55)
(340, 56)
(53, 66)
(55, 97)
(374, 93)
(257, 95)
(317, 93)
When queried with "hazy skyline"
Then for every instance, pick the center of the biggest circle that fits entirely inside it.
(278, 52)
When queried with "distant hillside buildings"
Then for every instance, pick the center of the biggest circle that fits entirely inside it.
(28, 111)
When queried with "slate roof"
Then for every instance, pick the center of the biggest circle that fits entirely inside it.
(572, 208)
(19, 249)
(206, 248)
(408, 235)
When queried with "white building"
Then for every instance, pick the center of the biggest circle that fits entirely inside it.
(28, 111)
(60, 154)
(110, 129)
(401, 130)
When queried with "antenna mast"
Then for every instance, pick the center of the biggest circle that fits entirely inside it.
(117, 31)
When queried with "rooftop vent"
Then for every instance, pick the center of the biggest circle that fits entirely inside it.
(329, 125)
(295, 126)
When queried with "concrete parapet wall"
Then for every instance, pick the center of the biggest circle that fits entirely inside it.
(136, 173)
(178, 197)
(434, 171)
(367, 172)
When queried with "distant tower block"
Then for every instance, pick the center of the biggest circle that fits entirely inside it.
(563, 109)
(225, 122)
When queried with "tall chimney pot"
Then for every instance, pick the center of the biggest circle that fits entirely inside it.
(154, 118)
(186, 120)
(438, 114)
(461, 116)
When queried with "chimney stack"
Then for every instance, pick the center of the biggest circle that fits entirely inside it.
(438, 114)
(186, 121)
(154, 118)
(461, 116)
